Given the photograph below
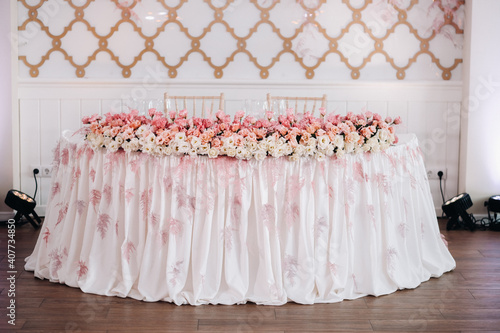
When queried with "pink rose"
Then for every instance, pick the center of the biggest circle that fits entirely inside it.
(397, 121)
(172, 114)
(388, 120)
(183, 113)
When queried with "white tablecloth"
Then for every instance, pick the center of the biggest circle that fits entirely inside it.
(223, 231)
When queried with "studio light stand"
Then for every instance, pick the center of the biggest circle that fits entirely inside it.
(456, 211)
(24, 205)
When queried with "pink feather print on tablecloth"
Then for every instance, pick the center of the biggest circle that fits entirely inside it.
(82, 269)
(62, 214)
(113, 161)
(167, 183)
(292, 214)
(136, 163)
(81, 206)
(290, 268)
(391, 259)
(164, 235)
(146, 201)
(320, 226)
(175, 226)
(127, 251)
(175, 272)
(333, 267)
(108, 194)
(183, 166)
(65, 156)
(117, 223)
(56, 260)
(56, 188)
(103, 222)
(268, 217)
(95, 198)
(331, 192)
(359, 174)
(155, 219)
(129, 194)
(413, 182)
(92, 174)
(382, 182)
(371, 214)
(350, 190)
(75, 176)
(46, 235)
(236, 209)
(294, 185)
(57, 154)
(227, 237)
(89, 152)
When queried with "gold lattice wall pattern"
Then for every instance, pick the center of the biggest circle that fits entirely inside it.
(311, 31)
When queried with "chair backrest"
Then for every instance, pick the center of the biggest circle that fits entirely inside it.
(191, 103)
(296, 102)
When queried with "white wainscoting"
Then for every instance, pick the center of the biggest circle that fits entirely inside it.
(431, 110)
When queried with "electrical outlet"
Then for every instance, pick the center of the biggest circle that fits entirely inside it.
(433, 173)
(45, 171)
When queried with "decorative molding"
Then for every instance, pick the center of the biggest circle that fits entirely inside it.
(240, 90)
(308, 31)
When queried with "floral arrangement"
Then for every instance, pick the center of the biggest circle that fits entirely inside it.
(292, 135)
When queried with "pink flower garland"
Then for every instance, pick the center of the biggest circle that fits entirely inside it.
(292, 135)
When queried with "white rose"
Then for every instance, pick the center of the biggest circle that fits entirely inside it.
(340, 153)
(311, 142)
(259, 155)
(251, 145)
(231, 152)
(213, 152)
(140, 130)
(228, 142)
(320, 156)
(310, 150)
(119, 139)
(323, 141)
(330, 150)
(167, 151)
(193, 152)
(180, 136)
(150, 149)
(299, 150)
(339, 141)
(383, 134)
(384, 145)
(184, 148)
(294, 157)
(195, 141)
(113, 146)
(241, 152)
(203, 149)
(151, 138)
(349, 147)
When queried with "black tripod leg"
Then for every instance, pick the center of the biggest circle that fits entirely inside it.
(37, 218)
(18, 217)
(30, 220)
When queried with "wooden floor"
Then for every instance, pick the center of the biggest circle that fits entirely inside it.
(465, 300)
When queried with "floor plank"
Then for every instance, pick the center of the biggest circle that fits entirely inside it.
(465, 300)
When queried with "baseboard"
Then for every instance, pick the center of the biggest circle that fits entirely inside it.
(4, 216)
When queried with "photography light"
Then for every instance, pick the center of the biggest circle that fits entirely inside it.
(457, 207)
(24, 205)
(493, 205)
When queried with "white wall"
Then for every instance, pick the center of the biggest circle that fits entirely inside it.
(56, 99)
(5, 109)
(480, 132)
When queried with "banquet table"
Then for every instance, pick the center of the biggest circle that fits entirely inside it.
(197, 230)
